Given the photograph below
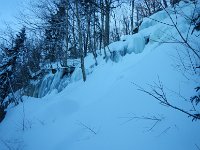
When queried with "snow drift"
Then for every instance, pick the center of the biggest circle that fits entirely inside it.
(104, 112)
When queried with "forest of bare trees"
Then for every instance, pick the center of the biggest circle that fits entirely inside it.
(59, 30)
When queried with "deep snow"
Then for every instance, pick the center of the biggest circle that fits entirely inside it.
(96, 115)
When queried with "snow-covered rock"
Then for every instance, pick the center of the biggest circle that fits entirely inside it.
(48, 83)
(128, 44)
(153, 20)
(135, 43)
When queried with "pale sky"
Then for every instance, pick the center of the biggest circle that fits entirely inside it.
(8, 10)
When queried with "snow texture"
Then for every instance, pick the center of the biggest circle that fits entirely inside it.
(99, 114)
(127, 45)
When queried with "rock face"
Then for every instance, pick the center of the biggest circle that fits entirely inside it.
(128, 44)
(56, 79)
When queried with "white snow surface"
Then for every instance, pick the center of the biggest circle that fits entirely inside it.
(99, 114)
(128, 44)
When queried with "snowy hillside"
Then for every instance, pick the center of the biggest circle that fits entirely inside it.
(108, 112)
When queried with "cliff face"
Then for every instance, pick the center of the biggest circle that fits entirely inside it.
(56, 79)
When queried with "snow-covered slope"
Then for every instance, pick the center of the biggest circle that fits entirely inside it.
(99, 114)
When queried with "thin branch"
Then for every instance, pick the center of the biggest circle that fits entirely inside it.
(6, 145)
(197, 146)
(159, 94)
(165, 131)
(155, 119)
(88, 128)
(180, 34)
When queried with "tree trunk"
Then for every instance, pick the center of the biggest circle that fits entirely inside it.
(80, 42)
(132, 14)
(94, 47)
(88, 38)
(74, 37)
(94, 30)
(107, 22)
(102, 25)
(66, 38)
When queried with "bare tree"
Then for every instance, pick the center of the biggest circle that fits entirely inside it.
(80, 41)
(67, 34)
(132, 15)
(159, 93)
